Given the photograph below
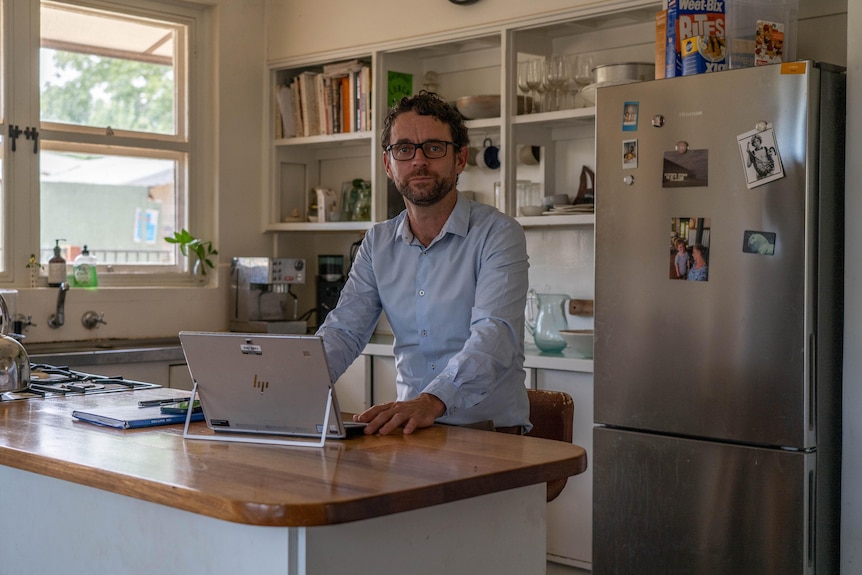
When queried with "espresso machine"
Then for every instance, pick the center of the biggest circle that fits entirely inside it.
(261, 298)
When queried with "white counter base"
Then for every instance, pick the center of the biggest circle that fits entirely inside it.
(54, 526)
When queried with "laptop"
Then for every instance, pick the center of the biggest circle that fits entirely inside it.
(254, 384)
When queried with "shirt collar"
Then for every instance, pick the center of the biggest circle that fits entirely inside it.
(458, 223)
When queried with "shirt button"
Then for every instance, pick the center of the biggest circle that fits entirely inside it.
(433, 366)
(424, 332)
(422, 292)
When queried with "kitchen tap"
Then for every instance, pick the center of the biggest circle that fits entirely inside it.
(58, 318)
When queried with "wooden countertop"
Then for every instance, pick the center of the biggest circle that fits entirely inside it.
(347, 480)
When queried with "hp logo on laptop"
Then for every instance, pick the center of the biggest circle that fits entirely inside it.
(260, 384)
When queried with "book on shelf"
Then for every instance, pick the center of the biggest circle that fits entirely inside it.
(131, 416)
(335, 100)
(286, 123)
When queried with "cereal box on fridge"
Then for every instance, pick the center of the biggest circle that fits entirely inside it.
(703, 19)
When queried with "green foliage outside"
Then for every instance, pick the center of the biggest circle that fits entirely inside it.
(89, 90)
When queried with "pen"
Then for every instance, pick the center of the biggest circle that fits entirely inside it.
(154, 402)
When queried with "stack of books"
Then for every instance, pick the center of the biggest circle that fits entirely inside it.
(335, 100)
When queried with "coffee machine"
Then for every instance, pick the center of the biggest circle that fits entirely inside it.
(261, 298)
(330, 281)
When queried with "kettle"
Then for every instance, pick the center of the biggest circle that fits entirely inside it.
(550, 319)
(14, 361)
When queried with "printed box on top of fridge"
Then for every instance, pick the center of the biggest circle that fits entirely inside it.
(692, 19)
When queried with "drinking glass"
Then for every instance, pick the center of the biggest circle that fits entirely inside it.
(536, 82)
(558, 73)
(570, 88)
(524, 86)
(584, 70)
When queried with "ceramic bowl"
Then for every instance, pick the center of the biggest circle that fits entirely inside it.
(579, 341)
(532, 210)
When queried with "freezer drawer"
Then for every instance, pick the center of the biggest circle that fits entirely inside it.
(669, 505)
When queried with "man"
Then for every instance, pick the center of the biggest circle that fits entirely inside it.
(451, 276)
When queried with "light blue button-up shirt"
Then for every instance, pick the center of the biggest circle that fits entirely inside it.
(456, 309)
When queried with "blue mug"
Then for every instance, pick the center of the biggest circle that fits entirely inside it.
(491, 154)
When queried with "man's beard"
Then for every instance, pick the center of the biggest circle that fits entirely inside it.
(426, 197)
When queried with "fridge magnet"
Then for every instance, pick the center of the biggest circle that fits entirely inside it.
(685, 169)
(760, 157)
(761, 243)
(630, 154)
(689, 249)
(630, 117)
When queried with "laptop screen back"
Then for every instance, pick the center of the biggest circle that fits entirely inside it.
(262, 383)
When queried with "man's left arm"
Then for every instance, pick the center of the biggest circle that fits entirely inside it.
(496, 323)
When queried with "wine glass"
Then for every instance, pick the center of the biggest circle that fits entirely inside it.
(584, 70)
(570, 87)
(558, 72)
(524, 86)
(536, 82)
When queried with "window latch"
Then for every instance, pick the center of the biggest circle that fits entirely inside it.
(14, 132)
(33, 134)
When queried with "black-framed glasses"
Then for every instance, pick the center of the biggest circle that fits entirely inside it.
(432, 149)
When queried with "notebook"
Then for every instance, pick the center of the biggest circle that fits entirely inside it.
(252, 385)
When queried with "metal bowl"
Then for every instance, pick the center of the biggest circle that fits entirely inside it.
(488, 106)
(609, 74)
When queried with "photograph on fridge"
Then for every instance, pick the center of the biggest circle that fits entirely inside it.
(689, 248)
(630, 154)
(761, 243)
(685, 168)
(760, 157)
(630, 117)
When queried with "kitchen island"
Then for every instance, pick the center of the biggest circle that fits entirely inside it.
(83, 499)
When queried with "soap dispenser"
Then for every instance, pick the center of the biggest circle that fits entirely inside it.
(84, 270)
(56, 267)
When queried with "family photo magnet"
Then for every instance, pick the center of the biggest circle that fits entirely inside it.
(760, 157)
(630, 154)
(630, 117)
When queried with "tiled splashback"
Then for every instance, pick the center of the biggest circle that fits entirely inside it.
(562, 261)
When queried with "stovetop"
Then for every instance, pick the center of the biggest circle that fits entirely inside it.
(53, 381)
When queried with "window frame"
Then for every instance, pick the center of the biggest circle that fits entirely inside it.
(194, 132)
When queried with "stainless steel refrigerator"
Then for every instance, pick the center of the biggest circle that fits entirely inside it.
(718, 346)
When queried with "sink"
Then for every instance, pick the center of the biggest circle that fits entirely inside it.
(105, 351)
(93, 345)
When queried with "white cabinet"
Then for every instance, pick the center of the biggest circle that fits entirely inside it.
(353, 388)
(383, 379)
(460, 64)
(570, 529)
(179, 377)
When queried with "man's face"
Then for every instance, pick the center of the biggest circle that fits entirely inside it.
(423, 181)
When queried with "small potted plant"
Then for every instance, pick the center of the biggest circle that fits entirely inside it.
(203, 250)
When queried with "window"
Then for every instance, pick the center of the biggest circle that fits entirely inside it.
(104, 157)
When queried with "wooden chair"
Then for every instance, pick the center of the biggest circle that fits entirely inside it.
(552, 413)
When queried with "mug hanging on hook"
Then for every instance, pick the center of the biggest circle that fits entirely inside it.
(490, 154)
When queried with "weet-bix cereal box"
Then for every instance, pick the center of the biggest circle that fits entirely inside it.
(695, 37)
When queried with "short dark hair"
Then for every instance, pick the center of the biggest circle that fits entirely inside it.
(427, 104)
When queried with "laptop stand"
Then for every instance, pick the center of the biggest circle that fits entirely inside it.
(256, 439)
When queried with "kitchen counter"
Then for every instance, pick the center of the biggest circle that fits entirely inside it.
(388, 499)
(534, 358)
